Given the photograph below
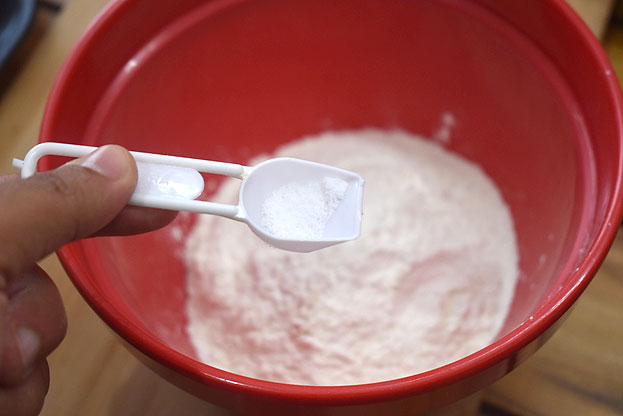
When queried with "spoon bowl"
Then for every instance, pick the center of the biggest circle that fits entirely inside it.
(340, 223)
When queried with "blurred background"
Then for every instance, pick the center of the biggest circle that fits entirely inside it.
(578, 372)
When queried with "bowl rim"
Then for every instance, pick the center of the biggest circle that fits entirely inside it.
(504, 349)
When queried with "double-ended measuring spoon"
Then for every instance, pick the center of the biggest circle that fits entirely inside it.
(174, 183)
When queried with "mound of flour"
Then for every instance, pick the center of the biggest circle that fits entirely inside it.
(429, 280)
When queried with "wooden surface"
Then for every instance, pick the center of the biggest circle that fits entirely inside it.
(595, 13)
(578, 372)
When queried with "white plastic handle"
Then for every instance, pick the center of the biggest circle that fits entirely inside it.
(29, 167)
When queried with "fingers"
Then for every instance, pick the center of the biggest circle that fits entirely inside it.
(74, 201)
(34, 324)
(137, 220)
(40, 214)
(27, 398)
(49, 209)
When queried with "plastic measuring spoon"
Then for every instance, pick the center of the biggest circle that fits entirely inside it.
(174, 183)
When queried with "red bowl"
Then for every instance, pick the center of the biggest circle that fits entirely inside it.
(536, 104)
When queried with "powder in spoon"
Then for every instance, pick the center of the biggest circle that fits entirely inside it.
(301, 210)
(430, 279)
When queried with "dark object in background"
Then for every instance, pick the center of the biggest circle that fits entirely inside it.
(16, 17)
(617, 15)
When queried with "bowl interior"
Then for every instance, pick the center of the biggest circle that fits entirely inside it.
(228, 80)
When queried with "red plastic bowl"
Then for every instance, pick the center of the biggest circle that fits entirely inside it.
(536, 103)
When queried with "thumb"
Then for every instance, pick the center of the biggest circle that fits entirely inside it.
(49, 209)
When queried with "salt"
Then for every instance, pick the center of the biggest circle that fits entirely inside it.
(301, 210)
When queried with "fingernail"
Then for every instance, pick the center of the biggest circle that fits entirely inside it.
(28, 343)
(107, 160)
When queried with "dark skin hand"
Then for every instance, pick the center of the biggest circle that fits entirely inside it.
(84, 198)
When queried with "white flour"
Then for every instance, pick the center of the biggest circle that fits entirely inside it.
(429, 281)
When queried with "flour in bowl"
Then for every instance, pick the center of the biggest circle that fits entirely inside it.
(430, 280)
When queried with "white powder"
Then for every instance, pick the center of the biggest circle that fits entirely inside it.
(429, 281)
(444, 132)
(301, 210)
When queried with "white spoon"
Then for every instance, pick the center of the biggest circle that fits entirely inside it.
(174, 183)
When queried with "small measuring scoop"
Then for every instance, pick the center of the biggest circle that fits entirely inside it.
(174, 183)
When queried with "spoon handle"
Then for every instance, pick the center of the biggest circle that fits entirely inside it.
(155, 164)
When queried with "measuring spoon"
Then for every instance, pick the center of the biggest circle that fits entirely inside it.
(174, 183)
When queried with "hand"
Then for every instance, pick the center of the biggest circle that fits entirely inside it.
(83, 198)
